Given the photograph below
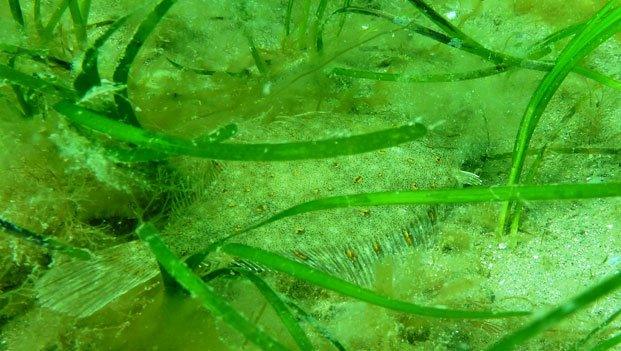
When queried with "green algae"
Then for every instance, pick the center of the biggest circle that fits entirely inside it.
(119, 133)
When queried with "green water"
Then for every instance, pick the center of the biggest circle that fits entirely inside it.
(109, 122)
